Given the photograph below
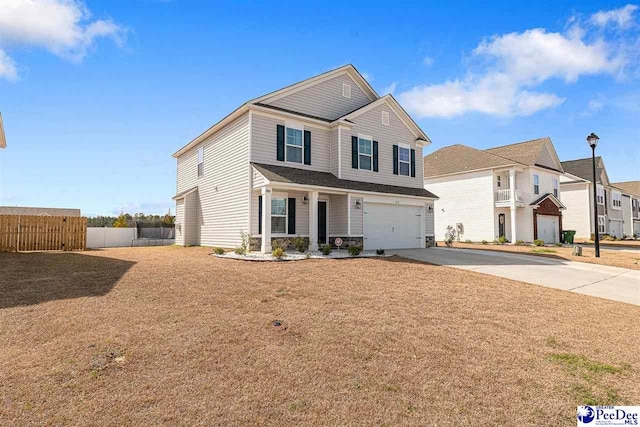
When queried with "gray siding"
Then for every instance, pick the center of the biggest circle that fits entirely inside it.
(263, 144)
(429, 223)
(370, 123)
(546, 158)
(218, 213)
(356, 217)
(337, 215)
(324, 99)
(333, 152)
(179, 222)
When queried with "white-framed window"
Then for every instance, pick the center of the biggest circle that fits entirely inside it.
(616, 199)
(499, 181)
(385, 118)
(279, 215)
(293, 144)
(404, 160)
(200, 161)
(601, 223)
(600, 195)
(556, 189)
(346, 90)
(365, 152)
(536, 184)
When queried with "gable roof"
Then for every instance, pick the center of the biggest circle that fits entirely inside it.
(3, 140)
(551, 197)
(287, 175)
(583, 168)
(629, 187)
(461, 158)
(526, 152)
(392, 103)
(295, 87)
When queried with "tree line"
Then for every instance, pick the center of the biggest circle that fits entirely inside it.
(128, 220)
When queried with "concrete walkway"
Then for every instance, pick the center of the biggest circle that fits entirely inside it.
(614, 283)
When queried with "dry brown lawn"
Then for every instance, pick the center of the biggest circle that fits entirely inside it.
(173, 336)
(614, 258)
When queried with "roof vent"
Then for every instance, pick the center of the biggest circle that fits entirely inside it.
(346, 90)
(385, 118)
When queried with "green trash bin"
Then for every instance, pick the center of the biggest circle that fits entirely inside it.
(568, 235)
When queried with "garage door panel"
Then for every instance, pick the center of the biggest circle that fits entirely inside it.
(390, 226)
(548, 228)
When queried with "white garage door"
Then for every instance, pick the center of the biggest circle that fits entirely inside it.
(615, 228)
(548, 228)
(392, 226)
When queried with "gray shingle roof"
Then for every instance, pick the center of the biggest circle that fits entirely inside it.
(288, 175)
(583, 168)
(460, 158)
(526, 152)
(629, 187)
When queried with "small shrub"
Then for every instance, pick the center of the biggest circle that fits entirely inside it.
(280, 243)
(354, 250)
(558, 245)
(468, 241)
(538, 242)
(484, 242)
(379, 251)
(246, 242)
(325, 249)
(519, 243)
(218, 251)
(307, 255)
(301, 244)
(502, 240)
(278, 253)
(239, 250)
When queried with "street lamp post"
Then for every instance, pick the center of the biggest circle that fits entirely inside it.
(593, 142)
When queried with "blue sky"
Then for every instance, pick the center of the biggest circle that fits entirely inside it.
(96, 96)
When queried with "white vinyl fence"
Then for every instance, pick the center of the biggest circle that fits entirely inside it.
(110, 237)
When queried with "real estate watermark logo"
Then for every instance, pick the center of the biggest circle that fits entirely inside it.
(589, 416)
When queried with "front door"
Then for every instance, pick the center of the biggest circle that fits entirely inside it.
(501, 220)
(322, 222)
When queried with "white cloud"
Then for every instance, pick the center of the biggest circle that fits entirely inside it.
(390, 89)
(622, 17)
(63, 27)
(595, 105)
(428, 61)
(512, 66)
(7, 67)
(368, 77)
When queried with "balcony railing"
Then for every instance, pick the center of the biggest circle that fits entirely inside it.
(504, 196)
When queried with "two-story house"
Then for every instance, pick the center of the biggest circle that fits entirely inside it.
(577, 195)
(510, 191)
(321, 159)
(630, 207)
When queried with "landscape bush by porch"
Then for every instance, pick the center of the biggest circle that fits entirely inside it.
(355, 250)
(538, 242)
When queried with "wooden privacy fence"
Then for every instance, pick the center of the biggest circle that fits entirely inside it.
(42, 233)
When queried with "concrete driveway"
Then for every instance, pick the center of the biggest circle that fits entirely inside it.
(614, 283)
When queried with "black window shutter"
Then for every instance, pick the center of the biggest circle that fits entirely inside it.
(354, 152)
(375, 156)
(307, 147)
(395, 160)
(259, 214)
(292, 216)
(280, 143)
(413, 163)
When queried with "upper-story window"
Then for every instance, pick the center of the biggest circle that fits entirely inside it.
(201, 161)
(346, 90)
(365, 152)
(536, 184)
(294, 145)
(556, 191)
(404, 160)
(600, 195)
(616, 199)
(499, 181)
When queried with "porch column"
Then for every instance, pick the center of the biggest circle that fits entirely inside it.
(513, 224)
(512, 185)
(265, 246)
(313, 220)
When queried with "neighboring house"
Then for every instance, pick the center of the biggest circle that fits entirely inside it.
(511, 191)
(22, 210)
(577, 195)
(630, 207)
(321, 159)
(3, 140)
